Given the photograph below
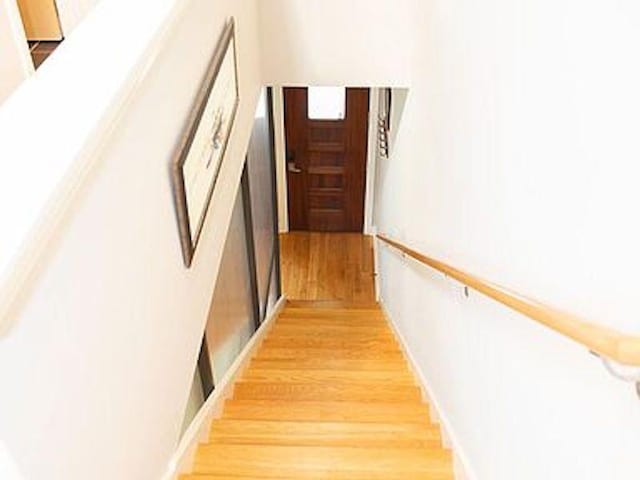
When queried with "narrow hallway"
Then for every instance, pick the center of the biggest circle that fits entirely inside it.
(328, 394)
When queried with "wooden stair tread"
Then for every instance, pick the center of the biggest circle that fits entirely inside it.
(354, 320)
(325, 411)
(351, 331)
(320, 363)
(435, 475)
(283, 353)
(271, 352)
(374, 392)
(332, 322)
(278, 461)
(351, 377)
(331, 305)
(336, 315)
(338, 343)
(327, 396)
(324, 434)
(332, 313)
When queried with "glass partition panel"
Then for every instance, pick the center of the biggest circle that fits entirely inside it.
(231, 318)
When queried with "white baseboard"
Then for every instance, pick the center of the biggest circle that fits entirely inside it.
(182, 460)
(461, 465)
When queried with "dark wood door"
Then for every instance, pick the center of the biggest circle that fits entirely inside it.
(326, 163)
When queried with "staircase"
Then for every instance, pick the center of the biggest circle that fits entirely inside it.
(327, 396)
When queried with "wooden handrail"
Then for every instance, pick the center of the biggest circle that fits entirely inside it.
(609, 343)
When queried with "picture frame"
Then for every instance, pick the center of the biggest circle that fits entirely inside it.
(202, 148)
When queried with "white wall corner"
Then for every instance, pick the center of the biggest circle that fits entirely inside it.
(461, 465)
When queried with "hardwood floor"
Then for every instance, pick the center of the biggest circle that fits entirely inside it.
(327, 395)
(327, 266)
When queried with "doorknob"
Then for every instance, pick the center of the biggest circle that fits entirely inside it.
(291, 167)
(291, 163)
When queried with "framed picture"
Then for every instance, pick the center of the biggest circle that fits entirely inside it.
(202, 148)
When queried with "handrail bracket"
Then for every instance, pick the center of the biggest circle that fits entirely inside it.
(621, 372)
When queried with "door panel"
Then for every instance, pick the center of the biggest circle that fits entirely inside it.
(40, 19)
(326, 164)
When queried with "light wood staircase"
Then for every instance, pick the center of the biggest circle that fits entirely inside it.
(328, 395)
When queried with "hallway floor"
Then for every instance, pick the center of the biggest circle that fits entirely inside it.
(328, 266)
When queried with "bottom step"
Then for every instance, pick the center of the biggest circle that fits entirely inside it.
(278, 462)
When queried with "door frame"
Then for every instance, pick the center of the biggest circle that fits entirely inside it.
(281, 163)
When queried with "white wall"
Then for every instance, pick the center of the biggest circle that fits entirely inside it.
(517, 160)
(8, 468)
(336, 42)
(15, 62)
(72, 12)
(97, 365)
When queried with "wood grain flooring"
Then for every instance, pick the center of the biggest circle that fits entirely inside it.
(328, 395)
(327, 266)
